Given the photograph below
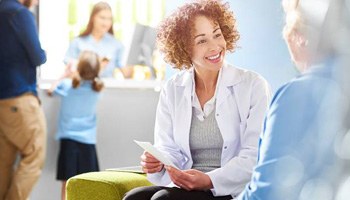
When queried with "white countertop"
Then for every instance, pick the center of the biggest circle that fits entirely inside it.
(113, 83)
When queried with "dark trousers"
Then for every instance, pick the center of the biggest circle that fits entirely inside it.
(173, 193)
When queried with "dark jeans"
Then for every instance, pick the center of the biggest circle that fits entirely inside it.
(173, 193)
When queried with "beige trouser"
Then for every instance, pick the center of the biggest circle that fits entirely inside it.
(23, 131)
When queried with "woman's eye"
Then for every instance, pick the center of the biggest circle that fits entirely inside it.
(218, 35)
(201, 41)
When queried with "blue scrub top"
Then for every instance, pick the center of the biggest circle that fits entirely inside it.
(108, 47)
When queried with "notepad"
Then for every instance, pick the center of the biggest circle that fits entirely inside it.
(131, 169)
(147, 146)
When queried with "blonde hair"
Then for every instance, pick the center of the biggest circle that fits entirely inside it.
(294, 17)
(305, 17)
(88, 69)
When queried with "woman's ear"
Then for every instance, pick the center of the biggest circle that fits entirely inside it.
(298, 48)
(300, 40)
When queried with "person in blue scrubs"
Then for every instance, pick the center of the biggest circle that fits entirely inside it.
(98, 37)
(303, 128)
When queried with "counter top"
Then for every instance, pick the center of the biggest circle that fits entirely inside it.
(113, 83)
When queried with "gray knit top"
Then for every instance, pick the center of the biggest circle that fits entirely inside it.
(205, 143)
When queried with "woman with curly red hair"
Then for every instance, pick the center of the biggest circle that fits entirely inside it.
(209, 115)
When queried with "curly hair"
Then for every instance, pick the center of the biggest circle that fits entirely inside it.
(175, 33)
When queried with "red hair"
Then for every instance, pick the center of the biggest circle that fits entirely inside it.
(175, 34)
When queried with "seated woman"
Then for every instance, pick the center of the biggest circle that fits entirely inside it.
(209, 115)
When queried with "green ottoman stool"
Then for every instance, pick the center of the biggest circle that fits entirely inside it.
(105, 185)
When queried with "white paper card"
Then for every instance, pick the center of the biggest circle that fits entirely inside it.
(147, 146)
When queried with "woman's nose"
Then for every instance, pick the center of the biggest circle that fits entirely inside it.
(213, 45)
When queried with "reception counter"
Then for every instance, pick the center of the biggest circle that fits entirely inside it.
(125, 112)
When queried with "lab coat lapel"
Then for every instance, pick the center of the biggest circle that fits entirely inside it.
(230, 79)
(184, 111)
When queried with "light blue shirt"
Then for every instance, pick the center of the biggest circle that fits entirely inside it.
(108, 47)
(296, 149)
(77, 117)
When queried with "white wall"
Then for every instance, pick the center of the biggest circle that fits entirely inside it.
(262, 47)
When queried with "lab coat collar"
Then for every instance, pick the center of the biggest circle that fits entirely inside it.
(230, 79)
(230, 76)
(187, 78)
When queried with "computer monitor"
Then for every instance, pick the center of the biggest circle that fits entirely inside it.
(142, 46)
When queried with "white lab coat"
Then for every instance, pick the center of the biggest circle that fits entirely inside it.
(242, 100)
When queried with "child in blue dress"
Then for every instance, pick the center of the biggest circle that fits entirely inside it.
(79, 94)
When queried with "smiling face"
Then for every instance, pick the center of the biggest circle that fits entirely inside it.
(209, 45)
(103, 21)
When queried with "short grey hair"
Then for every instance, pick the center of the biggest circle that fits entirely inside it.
(307, 18)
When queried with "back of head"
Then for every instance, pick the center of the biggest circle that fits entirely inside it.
(29, 3)
(88, 69)
(326, 26)
(319, 22)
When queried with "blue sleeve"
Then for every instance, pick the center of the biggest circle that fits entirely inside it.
(73, 51)
(63, 87)
(25, 28)
(279, 166)
(118, 56)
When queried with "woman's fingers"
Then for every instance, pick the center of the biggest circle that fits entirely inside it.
(191, 179)
(147, 157)
(151, 167)
(150, 164)
(180, 178)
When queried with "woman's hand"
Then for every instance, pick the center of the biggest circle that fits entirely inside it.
(50, 92)
(70, 70)
(104, 62)
(190, 179)
(150, 164)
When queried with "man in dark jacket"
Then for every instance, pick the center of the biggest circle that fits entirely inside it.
(22, 121)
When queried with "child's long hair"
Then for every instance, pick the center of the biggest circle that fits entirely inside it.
(88, 69)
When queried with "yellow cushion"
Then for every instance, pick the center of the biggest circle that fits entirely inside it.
(106, 185)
